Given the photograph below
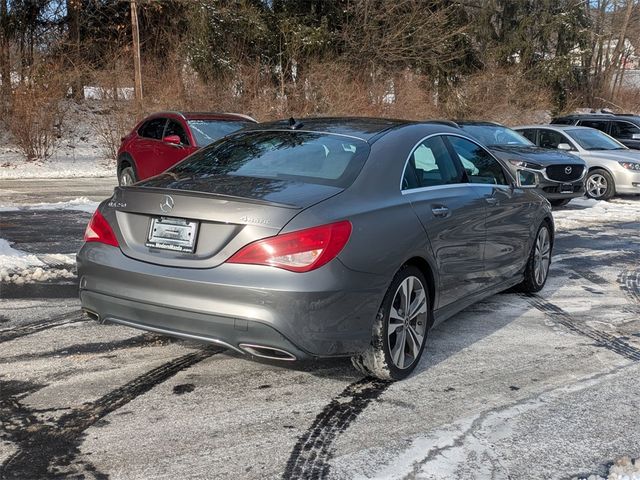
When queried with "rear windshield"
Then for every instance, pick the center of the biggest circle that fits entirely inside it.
(208, 131)
(308, 157)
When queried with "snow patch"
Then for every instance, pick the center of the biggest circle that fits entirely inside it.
(581, 212)
(82, 204)
(12, 259)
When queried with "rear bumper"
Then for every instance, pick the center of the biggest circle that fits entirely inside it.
(323, 313)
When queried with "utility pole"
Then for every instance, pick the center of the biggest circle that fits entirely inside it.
(136, 56)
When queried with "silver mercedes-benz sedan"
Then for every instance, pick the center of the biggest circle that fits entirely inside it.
(317, 238)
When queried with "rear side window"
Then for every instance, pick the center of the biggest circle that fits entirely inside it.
(529, 134)
(480, 166)
(430, 164)
(597, 124)
(174, 128)
(153, 128)
(563, 121)
(624, 130)
(307, 157)
(208, 131)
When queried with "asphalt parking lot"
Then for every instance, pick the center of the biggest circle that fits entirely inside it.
(515, 387)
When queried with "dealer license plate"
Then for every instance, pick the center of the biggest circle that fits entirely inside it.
(177, 234)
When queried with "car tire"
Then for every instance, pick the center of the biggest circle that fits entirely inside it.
(386, 358)
(127, 177)
(599, 185)
(537, 268)
(559, 203)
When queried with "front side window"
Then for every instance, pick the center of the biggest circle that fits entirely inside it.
(429, 165)
(306, 157)
(624, 130)
(480, 166)
(551, 139)
(153, 128)
(174, 128)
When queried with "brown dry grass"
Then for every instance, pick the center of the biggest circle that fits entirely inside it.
(37, 114)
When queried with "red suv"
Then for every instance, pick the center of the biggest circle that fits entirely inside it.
(163, 139)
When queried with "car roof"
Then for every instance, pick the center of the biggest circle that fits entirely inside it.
(554, 127)
(479, 123)
(600, 116)
(237, 117)
(364, 128)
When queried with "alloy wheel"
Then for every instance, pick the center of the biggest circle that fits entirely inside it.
(407, 322)
(542, 256)
(597, 185)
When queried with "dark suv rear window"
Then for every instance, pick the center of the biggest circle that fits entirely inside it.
(308, 157)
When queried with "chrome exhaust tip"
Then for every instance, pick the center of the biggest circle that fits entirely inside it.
(92, 315)
(270, 353)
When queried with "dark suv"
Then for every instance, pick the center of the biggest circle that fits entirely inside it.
(163, 139)
(560, 175)
(623, 127)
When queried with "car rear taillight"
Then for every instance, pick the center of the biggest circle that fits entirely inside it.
(300, 251)
(99, 230)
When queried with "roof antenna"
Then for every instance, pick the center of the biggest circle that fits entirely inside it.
(295, 124)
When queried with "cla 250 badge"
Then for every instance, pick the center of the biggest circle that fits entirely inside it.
(259, 221)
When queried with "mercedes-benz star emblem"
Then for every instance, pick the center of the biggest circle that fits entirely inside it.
(167, 204)
(568, 170)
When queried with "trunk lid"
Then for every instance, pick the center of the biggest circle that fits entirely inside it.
(257, 209)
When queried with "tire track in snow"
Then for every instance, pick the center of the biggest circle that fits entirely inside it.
(602, 339)
(46, 450)
(630, 284)
(310, 456)
(35, 327)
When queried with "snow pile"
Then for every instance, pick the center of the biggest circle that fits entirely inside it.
(82, 204)
(625, 469)
(15, 260)
(581, 212)
(622, 469)
(20, 267)
(32, 275)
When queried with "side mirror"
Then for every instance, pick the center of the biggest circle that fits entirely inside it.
(526, 179)
(635, 136)
(172, 139)
(564, 146)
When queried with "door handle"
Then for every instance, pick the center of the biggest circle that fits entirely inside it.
(491, 200)
(440, 211)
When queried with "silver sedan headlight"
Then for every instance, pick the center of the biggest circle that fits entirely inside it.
(635, 166)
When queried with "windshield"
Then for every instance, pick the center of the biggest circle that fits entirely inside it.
(592, 139)
(208, 131)
(307, 157)
(496, 135)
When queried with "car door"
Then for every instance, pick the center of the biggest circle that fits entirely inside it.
(147, 147)
(509, 211)
(452, 214)
(624, 132)
(170, 153)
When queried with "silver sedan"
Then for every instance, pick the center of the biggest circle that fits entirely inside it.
(613, 168)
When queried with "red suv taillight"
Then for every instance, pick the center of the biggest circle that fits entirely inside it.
(99, 230)
(300, 251)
